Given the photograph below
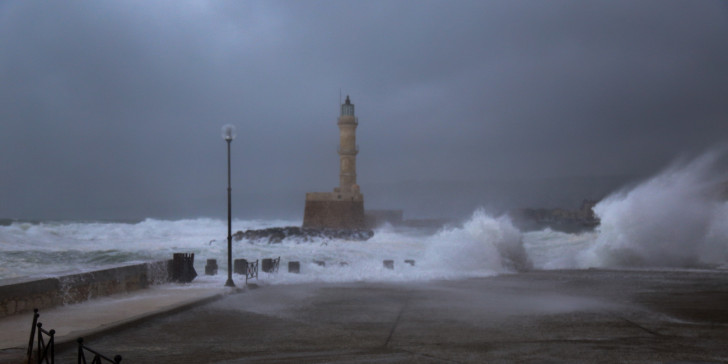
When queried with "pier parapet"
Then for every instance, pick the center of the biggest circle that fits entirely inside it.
(22, 295)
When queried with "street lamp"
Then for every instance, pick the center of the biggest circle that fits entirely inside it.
(228, 133)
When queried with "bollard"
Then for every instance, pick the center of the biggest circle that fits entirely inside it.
(267, 265)
(294, 267)
(240, 266)
(211, 267)
(389, 264)
(410, 262)
(320, 263)
(183, 269)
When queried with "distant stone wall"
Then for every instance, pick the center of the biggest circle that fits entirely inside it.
(334, 211)
(19, 296)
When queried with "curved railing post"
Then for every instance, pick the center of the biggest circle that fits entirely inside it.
(32, 334)
(44, 349)
(81, 358)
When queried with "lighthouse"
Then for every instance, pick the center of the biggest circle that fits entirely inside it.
(347, 148)
(344, 207)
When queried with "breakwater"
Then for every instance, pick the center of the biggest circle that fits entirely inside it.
(275, 235)
(22, 295)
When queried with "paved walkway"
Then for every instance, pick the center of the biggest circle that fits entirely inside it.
(590, 316)
(93, 318)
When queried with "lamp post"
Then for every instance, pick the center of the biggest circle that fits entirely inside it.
(228, 133)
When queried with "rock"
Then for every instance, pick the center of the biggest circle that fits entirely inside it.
(278, 234)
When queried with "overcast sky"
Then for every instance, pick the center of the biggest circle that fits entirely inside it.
(113, 109)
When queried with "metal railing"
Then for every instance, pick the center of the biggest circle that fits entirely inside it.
(276, 264)
(32, 334)
(251, 271)
(97, 357)
(46, 350)
(270, 265)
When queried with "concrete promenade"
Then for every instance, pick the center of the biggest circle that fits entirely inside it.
(97, 317)
(588, 316)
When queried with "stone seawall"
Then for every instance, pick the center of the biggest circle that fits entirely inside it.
(22, 295)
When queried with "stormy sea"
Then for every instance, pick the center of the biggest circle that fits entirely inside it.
(677, 219)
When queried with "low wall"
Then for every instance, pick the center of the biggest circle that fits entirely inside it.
(18, 296)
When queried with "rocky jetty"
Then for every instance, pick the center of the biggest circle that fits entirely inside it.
(278, 234)
(570, 221)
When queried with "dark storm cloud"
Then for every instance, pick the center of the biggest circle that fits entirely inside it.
(113, 109)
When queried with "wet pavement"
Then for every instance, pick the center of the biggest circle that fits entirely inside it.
(541, 317)
(96, 317)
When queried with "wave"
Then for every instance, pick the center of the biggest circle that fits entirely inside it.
(676, 219)
(483, 244)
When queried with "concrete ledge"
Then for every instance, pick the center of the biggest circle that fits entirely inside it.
(94, 319)
(22, 295)
(69, 341)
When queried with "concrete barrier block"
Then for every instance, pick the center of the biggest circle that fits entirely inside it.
(267, 265)
(240, 266)
(183, 267)
(211, 267)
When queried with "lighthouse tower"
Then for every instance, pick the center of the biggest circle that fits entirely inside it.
(343, 208)
(347, 148)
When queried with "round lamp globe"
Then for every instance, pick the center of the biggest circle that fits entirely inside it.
(228, 132)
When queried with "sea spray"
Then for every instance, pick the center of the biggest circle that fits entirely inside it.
(551, 249)
(675, 219)
(482, 245)
(672, 220)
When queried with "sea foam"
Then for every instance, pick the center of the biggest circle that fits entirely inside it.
(676, 219)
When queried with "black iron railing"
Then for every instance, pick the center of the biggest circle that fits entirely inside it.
(32, 334)
(270, 265)
(251, 271)
(46, 349)
(97, 357)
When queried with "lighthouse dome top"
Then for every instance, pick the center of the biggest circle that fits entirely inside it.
(347, 108)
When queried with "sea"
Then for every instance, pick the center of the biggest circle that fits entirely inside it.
(677, 219)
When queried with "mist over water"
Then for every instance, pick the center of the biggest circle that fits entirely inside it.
(677, 219)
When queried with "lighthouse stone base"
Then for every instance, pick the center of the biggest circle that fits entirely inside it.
(334, 210)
